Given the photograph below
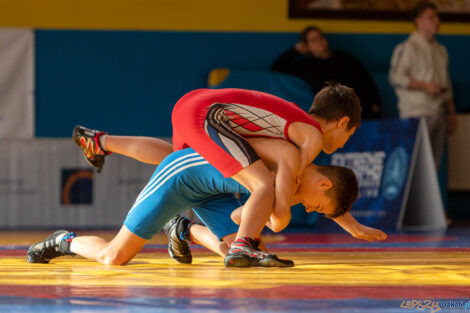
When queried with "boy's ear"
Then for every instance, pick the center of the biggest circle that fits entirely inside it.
(343, 122)
(324, 184)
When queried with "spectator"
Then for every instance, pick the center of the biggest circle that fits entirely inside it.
(312, 60)
(419, 73)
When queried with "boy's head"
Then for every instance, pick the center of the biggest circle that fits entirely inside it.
(330, 190)
(340, 108)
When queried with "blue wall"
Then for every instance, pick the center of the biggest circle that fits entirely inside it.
(127, 82)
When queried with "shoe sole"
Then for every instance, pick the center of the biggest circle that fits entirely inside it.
(76, 134)
(238, 261)
(269, 262)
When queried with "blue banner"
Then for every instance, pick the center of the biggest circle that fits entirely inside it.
(380, 154)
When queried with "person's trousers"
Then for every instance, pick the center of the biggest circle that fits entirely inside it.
(437, 128)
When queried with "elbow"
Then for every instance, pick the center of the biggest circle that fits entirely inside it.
(280, 224)
(236, 217)
(398, 81)
(276, 228)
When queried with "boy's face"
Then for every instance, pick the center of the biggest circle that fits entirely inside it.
(320, 203)
(339, 136)
(312, 193)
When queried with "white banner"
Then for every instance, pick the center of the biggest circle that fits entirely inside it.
(47, 183)
(16, 83)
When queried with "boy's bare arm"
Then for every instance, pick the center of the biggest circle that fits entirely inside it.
(283, 159)
(308, 140)
(357, 230)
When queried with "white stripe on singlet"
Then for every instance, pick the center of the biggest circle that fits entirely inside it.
(234, 150)
(154, 180)
(154, 187)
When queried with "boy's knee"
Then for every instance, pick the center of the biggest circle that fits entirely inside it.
(112, 257)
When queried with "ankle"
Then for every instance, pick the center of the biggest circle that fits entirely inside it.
(66, 243)
(245, 241)
(102, 141)
(184, 229)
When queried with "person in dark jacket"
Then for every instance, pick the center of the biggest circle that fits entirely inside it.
(312, 60)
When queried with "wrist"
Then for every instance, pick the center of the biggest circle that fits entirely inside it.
(424, 86)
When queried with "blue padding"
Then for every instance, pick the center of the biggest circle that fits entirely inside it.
(127, 82)
(287, 87)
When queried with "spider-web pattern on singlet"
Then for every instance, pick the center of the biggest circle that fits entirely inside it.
(249, 120)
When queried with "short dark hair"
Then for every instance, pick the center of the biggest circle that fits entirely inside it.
(308, 29)
(336, 101)
(345, 188)
(420, 7)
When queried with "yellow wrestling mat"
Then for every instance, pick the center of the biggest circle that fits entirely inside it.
(334, 271)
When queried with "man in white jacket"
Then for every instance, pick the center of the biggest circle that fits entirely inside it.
(419, 73)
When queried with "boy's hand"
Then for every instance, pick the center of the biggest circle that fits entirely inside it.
(368, 233)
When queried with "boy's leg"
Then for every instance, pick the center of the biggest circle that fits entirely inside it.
(262, 246)
(257, 209)
(120, 250)
(203, 236)
(97, 144)
(144, 219)
(144, 149)
(215, 214)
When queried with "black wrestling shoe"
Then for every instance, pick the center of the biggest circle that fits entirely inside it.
(272, 260)
(88, 140)
(244, 252)
(57, 244)
(177, 231)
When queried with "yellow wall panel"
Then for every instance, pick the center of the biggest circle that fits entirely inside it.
(183, 15)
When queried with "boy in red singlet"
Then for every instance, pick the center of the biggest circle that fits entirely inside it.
(214, 123)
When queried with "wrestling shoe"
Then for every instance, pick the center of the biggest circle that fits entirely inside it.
(57, 244)
(244, 252)
(272, 260)
(177, 231)
(88, 140)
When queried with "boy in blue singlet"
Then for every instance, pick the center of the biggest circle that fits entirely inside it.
(184, 180)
